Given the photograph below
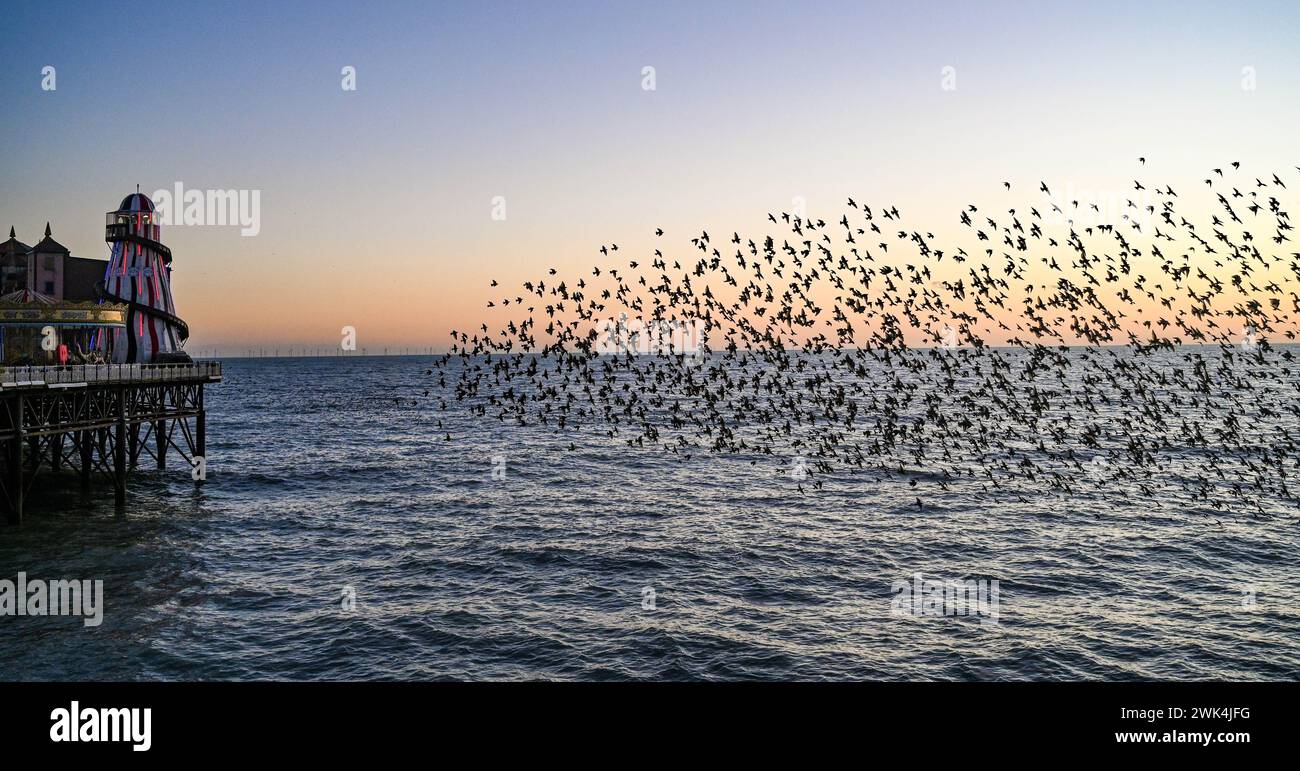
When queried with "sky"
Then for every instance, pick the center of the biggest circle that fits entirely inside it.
(380, 207)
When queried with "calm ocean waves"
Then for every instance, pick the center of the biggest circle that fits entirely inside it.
(334, 474)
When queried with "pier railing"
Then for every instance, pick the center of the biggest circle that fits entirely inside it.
(75, 374)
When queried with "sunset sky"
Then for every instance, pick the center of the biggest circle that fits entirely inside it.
(376, 204)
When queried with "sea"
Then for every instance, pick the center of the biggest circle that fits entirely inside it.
(340, 535)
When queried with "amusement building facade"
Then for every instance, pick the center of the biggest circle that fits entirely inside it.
(59, 309)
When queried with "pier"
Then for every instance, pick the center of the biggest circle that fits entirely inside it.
(99, 421)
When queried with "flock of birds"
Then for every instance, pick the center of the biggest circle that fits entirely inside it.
(1037, 350)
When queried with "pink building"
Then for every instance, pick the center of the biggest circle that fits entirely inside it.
(48, 269)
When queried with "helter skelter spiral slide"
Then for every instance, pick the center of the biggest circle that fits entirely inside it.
(139, 277)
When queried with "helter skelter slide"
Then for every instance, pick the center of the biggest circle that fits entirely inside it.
(139, 277)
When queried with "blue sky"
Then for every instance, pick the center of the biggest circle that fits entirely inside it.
(375, 202)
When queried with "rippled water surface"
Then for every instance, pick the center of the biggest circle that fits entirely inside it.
(334, 473)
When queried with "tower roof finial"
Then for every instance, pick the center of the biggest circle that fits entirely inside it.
(47, 230)
(12, 234)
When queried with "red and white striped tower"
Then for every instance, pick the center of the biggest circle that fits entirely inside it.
(139, 276)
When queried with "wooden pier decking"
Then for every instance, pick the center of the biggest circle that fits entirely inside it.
(99, 418)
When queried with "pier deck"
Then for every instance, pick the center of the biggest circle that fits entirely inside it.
(99, 419)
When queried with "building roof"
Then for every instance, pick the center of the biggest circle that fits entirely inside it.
(13, 247)
(136, 202)
(27, 296)
(48, 245)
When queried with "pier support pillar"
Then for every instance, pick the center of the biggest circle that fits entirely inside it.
(56, 452)
(85, 444)
(160, 435)
(119, 452)
(133, 444)
(14, 480)
(200, 433)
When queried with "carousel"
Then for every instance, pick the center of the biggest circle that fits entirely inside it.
(37, 330)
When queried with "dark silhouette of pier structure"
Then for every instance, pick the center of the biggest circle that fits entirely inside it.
(99, 421)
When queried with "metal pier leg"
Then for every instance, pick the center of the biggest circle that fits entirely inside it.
(133, 439)
(119, 452)
(200, 432)
(56, 452)
(160, 434)
(87, 456)
(15, 482)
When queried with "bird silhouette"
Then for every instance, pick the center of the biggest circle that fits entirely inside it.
(1133, 355)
